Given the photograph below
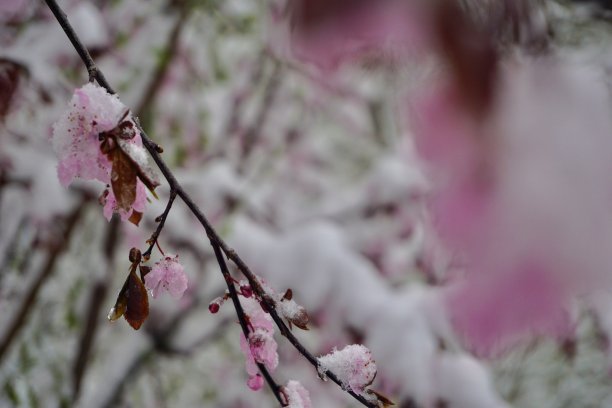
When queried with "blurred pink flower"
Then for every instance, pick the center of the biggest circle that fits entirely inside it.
(167, 274)
(521, 198)
(494, 314)
(329, 33)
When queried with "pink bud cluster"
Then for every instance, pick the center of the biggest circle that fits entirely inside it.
(260, 347)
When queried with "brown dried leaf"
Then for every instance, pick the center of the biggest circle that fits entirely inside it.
(137, 301)
(120, 307)
(123, 179)
(144, 172)
(144, 270)
(135, 217)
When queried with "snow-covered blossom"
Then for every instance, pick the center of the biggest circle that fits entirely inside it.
(167, 274)
(76, 141)
(297, 396)
(353, 365)
(261, 346)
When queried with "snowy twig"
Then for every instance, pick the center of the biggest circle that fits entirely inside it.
(242, 319)
(219, 246)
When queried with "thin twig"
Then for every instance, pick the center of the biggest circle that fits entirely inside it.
(242, 319)
(217, 243)
(92, 68)
(160, 225)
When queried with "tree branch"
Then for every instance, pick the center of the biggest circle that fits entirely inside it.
(219, 246)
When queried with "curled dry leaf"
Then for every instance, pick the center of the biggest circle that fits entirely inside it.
(128, 165)
(123, 179)
(132, 302)
(137, 302)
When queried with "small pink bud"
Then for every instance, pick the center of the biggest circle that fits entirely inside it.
(256, 382)
(214, 307)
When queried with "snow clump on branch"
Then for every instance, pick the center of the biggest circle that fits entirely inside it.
(353, 365)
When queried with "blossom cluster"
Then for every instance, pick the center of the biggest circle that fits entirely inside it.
(260, 347)
(96, 139)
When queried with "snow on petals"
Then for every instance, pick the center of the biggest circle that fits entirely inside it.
(75, 135)
(353, 365)
(77, 141)
(167, 274)
(261, 347)
(297, 396)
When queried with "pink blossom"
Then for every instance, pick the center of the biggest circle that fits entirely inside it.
(255, 382)
(75, 135)
(167, 274)
(261, 346)
(76, 142)
(111, 207)
(353, 365)
(297, 396)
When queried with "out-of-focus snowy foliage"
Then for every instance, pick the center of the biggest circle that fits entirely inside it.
(310, 171)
